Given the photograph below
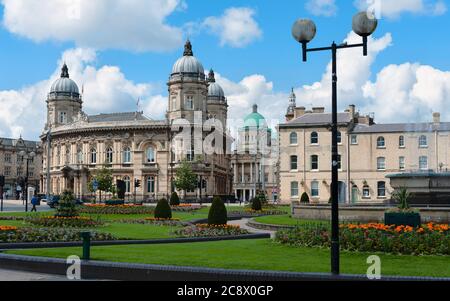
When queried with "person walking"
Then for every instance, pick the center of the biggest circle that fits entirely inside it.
(34, 202)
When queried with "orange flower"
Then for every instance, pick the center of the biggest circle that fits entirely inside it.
(8, 228)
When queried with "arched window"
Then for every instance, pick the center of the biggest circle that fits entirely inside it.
(423, 141)
(314, 138)
(109, 155)
(293, 139)
(127, 181)
(381, 143)
(150, 184)
(79, 156)
(294, 163)
(366, 191)
(93, 156)
(314, 162)
(126, 155)
(401, 141)
(150, 155)
(381, 163)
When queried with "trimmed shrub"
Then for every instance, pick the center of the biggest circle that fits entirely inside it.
(163, 210)
(256, 204)
(67, 205)
(217, 213)
(304, 198)
(174, 199)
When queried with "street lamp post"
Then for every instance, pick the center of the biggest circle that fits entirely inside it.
(28, 157)
(304, 30)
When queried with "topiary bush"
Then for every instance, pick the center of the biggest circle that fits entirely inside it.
(256, 204)
(163, 210)
(174, 199)
(304, 198)
(67, 205)
(217, 213)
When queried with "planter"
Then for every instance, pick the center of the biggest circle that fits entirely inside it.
(114, 203)
(402, 218)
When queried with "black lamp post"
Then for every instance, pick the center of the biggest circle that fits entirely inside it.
(304, 30)
(29, 158)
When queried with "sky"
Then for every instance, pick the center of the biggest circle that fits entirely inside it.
(124, 50)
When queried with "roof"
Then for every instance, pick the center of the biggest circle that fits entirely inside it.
(19, 143)
(310, 119)
(420, 174)
(401, 127)
(126, 116)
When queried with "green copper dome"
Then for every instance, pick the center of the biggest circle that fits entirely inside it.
(254, 119)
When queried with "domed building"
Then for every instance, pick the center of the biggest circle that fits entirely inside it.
(135, 148)
(255, 159)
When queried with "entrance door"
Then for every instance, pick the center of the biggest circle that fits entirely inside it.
(342, 192)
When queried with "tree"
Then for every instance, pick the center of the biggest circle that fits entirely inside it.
(104, 179)
(174, 199)
(217, 213)
(163, 210)
(185, 178)
(67, 205)
(304, 198)
(256, 203)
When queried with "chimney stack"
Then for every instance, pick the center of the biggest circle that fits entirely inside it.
(299, 111)
(352, 110)
(318, 110)
(436, 118)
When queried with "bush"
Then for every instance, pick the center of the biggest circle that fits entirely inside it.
(430, 239)
(67, 205)
(162, 210)
(174, 199)
(304, 198)
(217, 213)
(114, 202)
(256, 204)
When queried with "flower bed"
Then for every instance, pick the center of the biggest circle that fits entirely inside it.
(54, 221)
(205, 230)
(264, 211)
(115, 209)
(430, 239)
(11, 218)
(155, 221)
(48, 235)
(7, 228)
(186, 208)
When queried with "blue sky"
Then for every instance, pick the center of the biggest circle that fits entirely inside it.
(257, 65)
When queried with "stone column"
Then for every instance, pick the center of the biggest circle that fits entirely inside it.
(243, 173)
(251, 172)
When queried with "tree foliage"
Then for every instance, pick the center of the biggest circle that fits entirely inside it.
(185, 178)
(174, 199)
(163, 210)
(217, 213)
(67, 205)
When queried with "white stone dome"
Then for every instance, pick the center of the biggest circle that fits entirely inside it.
(64, 84)
(214, 89)
(188, 64)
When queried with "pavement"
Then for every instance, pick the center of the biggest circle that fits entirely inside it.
(8, 275)
(243, 224)
(19, 206)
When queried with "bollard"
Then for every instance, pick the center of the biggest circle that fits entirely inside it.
(86, 236)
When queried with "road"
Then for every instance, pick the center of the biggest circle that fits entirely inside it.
(18, 206)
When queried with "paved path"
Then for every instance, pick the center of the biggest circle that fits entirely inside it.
(8, 275)
(243, 224)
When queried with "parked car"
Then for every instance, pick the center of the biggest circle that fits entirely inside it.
(54, 201)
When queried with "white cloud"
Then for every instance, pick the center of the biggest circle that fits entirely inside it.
(393, 9)
(236, 27)
(325, 8)
(106, 90)
(97, 24)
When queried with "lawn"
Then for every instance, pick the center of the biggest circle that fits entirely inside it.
(284, 220)
(261, 254)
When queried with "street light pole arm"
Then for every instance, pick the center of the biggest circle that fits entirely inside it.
(305, 48)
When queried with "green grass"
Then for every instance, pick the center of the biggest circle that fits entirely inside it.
(285, 220)
(137, 231)
(260, 254)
